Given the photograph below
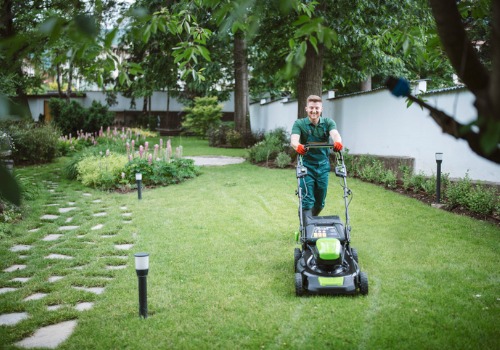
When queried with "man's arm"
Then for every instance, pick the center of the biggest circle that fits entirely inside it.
(334, 134)
(294, 141)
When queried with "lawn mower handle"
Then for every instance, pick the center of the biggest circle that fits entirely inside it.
(318, 145)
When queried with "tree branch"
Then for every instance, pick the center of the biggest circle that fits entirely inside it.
(457, 46)
(458, 130)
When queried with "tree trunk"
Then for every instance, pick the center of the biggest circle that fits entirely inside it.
(309, 81)
(241, 104)
(59, 80)
(366, 85)
(70, 80)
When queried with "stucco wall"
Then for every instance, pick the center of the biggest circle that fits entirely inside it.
(377, 123)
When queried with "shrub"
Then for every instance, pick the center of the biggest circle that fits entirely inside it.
(160, 172)
(217, 134)
(390, 179)
(101, 171)
(481, 200)
(283, 160)
(34, 143)
(268, 149)
(68, 116)
(456, 193)
(97, 116)
(205, 113)
(234, 138)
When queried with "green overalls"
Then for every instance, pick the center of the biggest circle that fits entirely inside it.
(317, 162)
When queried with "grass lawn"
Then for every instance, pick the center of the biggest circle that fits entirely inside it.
(221, 268)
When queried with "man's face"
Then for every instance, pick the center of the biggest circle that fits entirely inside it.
(314, 110)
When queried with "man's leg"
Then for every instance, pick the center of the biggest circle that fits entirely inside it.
(320, 189)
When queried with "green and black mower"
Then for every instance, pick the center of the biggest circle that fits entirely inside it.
(326, 263)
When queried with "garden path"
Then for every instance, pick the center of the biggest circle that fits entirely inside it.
(52, 336)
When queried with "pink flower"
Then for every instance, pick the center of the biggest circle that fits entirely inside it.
(146, 146)
(141, 151)
(156, 151)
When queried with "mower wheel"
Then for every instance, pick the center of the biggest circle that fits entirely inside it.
(299, 286)
(297, 254)
(355, 254)
(363, 283)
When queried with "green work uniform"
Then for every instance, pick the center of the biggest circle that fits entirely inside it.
(316, 160)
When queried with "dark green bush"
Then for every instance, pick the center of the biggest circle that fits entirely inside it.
(70, 116)
(97, 116)
(159, 172)
(34, 143)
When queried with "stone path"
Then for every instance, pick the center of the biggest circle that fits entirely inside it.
(57, 209)
(216, 160)
(50, 337)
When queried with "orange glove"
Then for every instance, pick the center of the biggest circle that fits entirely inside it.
(337, 146)
(301, 149)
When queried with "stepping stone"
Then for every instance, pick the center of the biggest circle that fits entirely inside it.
(97, 201)
(116, 267)
(97, 227)
(7, 290)
(95, 290)
(100, 214)
(87, 194)
(49, 337)
(107, 236)
(65, 210)
(59, 256)
(54, 307)
(33, 230)
(52, 205)
(15, 268)
(71, 203)
(53, 279)
(123, 208)
(68, 220)
(23, 256)
(12, 319)
(127, 221)
(68, 228)
(20, 248)
(36, 296)
(123, 246)
(21, 279)
(52, 237)
(84, 306)
(49, 217)
(127, 214)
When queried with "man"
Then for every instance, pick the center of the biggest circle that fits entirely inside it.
(314, 128)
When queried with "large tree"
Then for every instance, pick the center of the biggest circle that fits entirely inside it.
(482, 135)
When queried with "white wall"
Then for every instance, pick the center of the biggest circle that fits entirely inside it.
(158, 103)
(378, 123)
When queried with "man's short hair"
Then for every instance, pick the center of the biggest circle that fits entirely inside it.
(314, 98)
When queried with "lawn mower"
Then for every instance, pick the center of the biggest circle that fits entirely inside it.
(326, 263)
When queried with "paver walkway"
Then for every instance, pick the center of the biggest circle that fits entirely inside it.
(52, 336)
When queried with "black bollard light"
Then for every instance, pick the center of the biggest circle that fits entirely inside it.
(138, 179)
(439, 160)
(142, 268)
